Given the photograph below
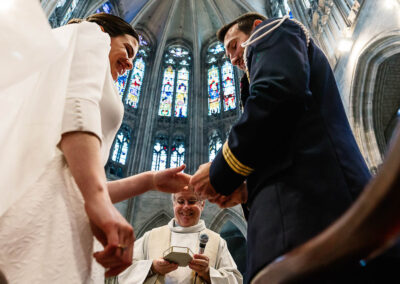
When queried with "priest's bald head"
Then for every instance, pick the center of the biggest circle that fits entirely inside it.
(187, 208)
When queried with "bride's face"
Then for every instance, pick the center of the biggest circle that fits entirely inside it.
(123, 50)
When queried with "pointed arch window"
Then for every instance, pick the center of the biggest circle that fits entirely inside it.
(60, 3)
(121, 145)
(69, 11)
(182, 86)
(307, 4)
(214, 144)
(213, 90)
(229, 86)
(134, 78)
(167, 92)
(175, 84)
(121, 83)
(220, 70)
(177, 152)
(160, 154)
(132, 98)
(105, 8)
(287, 10)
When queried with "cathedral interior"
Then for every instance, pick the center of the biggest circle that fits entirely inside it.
(182, 95)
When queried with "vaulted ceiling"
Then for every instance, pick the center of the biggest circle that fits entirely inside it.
(192, 21)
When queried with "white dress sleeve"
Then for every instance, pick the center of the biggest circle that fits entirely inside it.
(86, 81)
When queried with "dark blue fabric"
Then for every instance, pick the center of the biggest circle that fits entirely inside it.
(295, 134)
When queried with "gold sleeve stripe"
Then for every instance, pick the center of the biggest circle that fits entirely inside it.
(239, 164)
(234, 163)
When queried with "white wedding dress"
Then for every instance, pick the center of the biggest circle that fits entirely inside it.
(51, 82)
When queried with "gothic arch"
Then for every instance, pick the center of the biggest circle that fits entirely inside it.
(229, 215)
(159, 219)
(147, 34)
(97, 3)
(363, 95)
(181, 42)
(207, 43)
(178, 133)
(160, 132)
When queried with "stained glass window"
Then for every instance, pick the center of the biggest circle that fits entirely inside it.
(229, 86)
(143, 41)
(177, 153)
(287, 9)
(106, 8)
(132, 98)
(213, 91)
(120, 83)
(182, 86)
(160, 154)
(135, 76)
(218, 48)
(220, 71)
(178, 52)
(307, 4)
(121, 147)
(170, 61)
(212, 60)
(60, 3)
(175, 85)
(214, 144)
(69, 12)
(167, 92)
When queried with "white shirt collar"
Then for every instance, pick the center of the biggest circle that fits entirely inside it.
(174, 227)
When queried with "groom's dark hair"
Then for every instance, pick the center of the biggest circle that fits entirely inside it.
(245, 24)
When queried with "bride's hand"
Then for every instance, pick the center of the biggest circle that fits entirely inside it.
(171, 180)
(82, 152)
(113, 232)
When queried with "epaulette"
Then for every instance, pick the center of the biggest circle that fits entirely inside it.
(278, 22)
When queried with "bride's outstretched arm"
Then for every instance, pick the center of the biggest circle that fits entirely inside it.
(82, 152)
(169, 180)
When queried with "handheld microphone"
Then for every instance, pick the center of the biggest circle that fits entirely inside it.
(203, 239)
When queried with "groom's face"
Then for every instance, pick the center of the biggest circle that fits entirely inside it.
(232, 42)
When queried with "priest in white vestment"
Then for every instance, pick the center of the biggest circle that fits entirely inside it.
(215, 266)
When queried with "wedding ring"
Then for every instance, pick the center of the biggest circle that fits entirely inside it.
(122, 247)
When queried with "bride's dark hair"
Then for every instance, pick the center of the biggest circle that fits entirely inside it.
(113, 25)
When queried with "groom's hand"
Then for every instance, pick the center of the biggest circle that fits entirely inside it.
(200, 182)
(239, 196)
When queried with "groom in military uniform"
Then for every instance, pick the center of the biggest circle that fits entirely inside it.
(292, 148)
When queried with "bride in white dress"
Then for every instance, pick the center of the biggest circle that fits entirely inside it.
(60, 113)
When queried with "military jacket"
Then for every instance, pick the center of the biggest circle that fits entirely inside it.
(293, 145)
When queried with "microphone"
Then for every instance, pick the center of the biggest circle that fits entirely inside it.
(203, 239)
